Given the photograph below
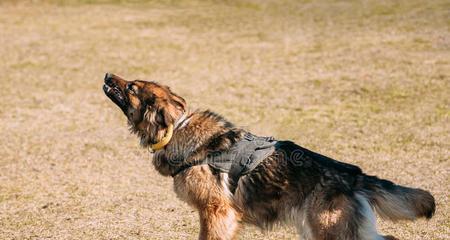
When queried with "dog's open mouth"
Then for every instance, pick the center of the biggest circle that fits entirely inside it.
(115, 93)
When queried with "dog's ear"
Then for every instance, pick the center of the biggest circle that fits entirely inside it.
(168, 108)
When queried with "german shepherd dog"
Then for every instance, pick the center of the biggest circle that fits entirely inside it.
(321, 197)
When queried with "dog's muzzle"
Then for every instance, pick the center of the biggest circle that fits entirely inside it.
(113, 91)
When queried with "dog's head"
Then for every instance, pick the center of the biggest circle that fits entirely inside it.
(149, 107)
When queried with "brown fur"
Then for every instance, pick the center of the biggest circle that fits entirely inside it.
(323, 198)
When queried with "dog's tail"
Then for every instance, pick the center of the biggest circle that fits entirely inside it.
(396, 202)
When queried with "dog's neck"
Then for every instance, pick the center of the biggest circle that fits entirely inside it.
(196, 134)
(181, 122)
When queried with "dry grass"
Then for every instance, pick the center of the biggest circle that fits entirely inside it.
(366, 82)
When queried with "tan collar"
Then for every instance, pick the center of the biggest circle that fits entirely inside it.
(180, 123)
(164, 141)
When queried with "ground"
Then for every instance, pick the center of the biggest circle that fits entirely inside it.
(365, 82)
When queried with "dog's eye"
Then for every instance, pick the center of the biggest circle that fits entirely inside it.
(131, 88)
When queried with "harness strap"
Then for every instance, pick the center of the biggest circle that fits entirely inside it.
(243, 157)
(183, 167)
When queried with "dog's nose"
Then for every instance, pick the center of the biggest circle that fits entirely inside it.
(108, 77)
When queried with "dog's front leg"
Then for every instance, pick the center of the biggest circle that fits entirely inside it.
(199, 188)
(217, 221)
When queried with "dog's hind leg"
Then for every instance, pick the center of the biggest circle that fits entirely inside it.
(342, 217)
(367, 225)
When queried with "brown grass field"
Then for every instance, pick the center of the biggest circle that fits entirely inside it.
(366, 82)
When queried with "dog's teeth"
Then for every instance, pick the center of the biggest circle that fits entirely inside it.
(108, 88)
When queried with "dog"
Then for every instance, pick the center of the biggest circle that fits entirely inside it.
(285, 183)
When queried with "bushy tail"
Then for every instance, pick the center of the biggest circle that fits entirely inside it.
(396, 202)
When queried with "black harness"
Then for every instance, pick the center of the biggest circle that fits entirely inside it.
(239, 160)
